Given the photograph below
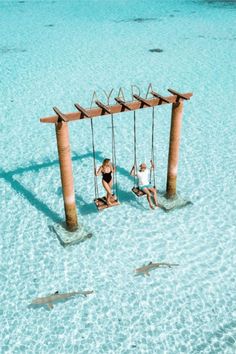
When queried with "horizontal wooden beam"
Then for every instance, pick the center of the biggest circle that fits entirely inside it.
(142, 100)
(103, 106)
(60, 116)
(155, 94)
(82, 110)
(123, 103)
(179, 95)
(117, 108)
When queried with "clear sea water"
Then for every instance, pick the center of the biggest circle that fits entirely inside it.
(56, 53)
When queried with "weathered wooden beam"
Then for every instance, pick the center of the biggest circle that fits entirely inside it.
(63, 146)
(142, 100)
(117, 108)
(61, 116)
(103, 106)
(155, 94)
(174, 145)
(181, 95)
(84, 112)
(123, 103)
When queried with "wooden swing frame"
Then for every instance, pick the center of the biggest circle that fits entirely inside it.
(61, 121)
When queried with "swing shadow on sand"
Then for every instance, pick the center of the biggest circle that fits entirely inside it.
(125, 196)
(29, 195)
(10, 177)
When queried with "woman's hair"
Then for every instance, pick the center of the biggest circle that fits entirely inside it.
(106, 161)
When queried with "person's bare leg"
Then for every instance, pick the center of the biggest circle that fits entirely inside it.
(146, 191)
(113, 197)
(154, 191)
(109, 192)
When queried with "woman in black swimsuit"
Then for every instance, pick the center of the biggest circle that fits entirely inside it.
(106, 170)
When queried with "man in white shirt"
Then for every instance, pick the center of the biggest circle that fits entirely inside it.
(144, 183)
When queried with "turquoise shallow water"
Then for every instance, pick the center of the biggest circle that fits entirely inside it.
(57, 53)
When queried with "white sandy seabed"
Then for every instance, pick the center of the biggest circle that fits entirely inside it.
(55, 53)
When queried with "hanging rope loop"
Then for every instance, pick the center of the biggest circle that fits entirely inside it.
(115, 181)
(152, 174)
(152, 179)
(96, 194)
(135, 153)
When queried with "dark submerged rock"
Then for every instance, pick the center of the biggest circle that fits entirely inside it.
(143, 19)
(220, 2)
(156, 50)
(5, 50)
(138, 19)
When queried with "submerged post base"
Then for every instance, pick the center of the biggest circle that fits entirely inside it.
(67, 238)
(167, 204)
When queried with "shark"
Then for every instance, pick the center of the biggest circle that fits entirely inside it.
(50, 299)
(144, 270)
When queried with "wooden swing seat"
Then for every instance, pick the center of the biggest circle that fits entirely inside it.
(138, 192)
(101, 203)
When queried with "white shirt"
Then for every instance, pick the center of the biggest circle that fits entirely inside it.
(143, 177)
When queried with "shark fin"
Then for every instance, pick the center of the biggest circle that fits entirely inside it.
(149, 263)
(57, 292)
(50, 306)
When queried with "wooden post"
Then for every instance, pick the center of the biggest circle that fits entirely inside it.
(175, 131)
(63, 146)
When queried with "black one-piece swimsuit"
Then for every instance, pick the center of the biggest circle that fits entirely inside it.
(107, 177)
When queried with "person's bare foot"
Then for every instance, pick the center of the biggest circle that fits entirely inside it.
(156, 205)
(151, 206)
(109, 203)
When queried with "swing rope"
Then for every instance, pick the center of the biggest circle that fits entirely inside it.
(94, 162)
(135, 153)
(152, 174)
(115, 183)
